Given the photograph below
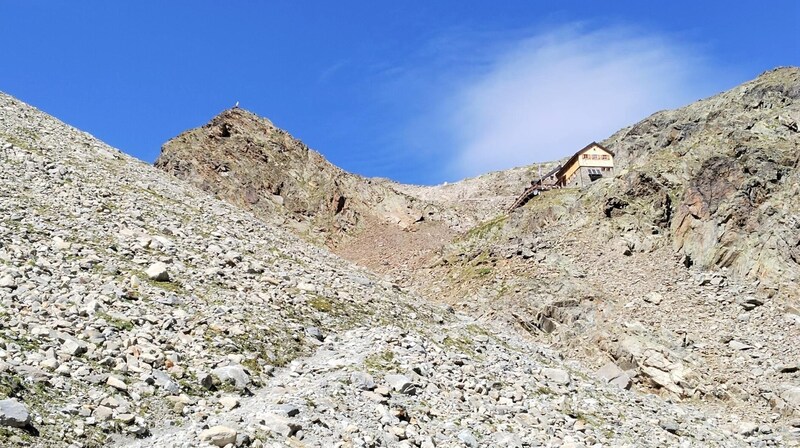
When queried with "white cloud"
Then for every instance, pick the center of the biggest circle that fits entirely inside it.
(543, 97)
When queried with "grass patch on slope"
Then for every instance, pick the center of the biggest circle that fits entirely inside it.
(486, 228)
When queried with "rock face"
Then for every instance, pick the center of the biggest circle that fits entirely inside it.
(247, 161)
(728, 168)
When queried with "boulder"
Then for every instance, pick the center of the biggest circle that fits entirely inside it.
(165, 381)
(557, 376)
(362, 380)
(609, 371)
(662, 379)
(289, 410)
(158, 272)
(102, 413)
(8, 281)
(234, 375)
(219, 435)
(229, 402)
(116, 383)
(467, 438)
(278, 425)
(314, 333)
(13, 413)
(401, 383)
(73, 347)
(736, 345)
(792, 397)
(654, 298)
(623, 381)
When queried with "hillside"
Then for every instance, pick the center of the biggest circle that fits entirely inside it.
(681, 271)
(139, 310)
(730, 165)
(247, 161)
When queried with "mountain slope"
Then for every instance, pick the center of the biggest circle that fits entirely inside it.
(680, 271)
(680, 268)
(730, 165)
(137, 306)
(248, 161)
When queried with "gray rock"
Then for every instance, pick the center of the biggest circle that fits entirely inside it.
(557, 376)
(116, 383)
(747, 428)
(362, 380)
(8, 282)
(623, 381)
(164, 381)
(654, 298)
(219, 435)
(750, 303)
(792, 397)
(669, 425)
(234, 375)
(288, 410)
(361, 280)
(13, 413)
(314, 333)
(73, 347)
(126, 419)
(507, 440)
(624, 247)
(467, 438)
(307, 287)
(279, 425)
(244, 440)
(158, 272)
(102, 413)
(229, 402)
(736, 345)
(609, 371)
(206, 380)
(661, 379)
(401, 383)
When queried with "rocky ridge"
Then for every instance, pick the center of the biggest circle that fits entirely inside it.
(728, 165)
(136, 307)
(247, 161)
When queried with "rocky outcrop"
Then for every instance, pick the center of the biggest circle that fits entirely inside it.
(724, 172)
(246, 160)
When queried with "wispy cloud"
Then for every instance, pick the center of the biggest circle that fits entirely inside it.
(542, 96)
(330, 71)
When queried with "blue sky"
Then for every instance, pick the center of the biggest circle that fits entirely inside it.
(418, 91)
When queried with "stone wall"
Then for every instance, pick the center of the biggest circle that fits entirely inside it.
(585, 172)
